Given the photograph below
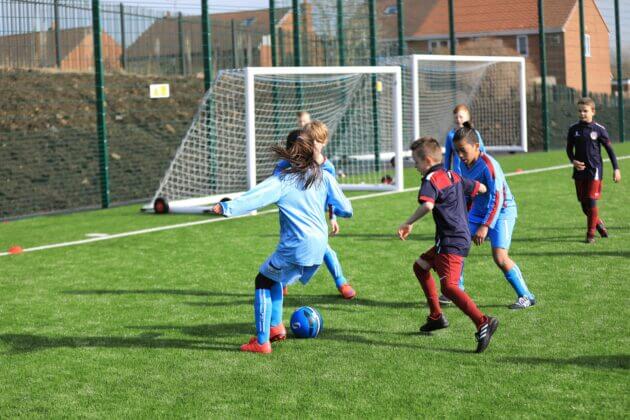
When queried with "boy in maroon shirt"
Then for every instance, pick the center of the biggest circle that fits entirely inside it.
(444, 192)
(584, 141)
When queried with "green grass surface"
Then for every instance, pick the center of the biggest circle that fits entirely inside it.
(150, 325)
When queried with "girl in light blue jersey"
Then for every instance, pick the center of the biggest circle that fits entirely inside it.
(461, 114)
(301, 191)
(493, 214)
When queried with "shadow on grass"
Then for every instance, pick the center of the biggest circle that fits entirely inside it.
(615, 361)
(26, 343)
(576, 253)
(181, 292)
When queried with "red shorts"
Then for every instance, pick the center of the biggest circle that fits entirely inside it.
(588, 189)
(448, 266)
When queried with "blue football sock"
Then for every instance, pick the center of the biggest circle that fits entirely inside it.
(332, 263)
(276, 304)
(262, 314)
(515, 278)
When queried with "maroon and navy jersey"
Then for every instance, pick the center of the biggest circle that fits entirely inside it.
(448, 191)
(584, 141)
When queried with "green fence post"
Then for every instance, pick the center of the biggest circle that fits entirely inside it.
(341, 42)
(123, 43)
(272, 31)
(101, 126)
(543, 74)
(297, 57)
(620, 103)
(233, 32)
(583, 49)
(57, 35)
(401, 26)
(205, 41)
(451, 26)
(375, 90)
(180, 39)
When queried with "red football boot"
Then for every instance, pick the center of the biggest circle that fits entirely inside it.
(277, 333)
(347, 291)
(254, 347)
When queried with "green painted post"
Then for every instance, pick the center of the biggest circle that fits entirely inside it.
(180, 38)
(101, 126)
(619, 73)
(57, 35)
(543, 74)
(375, 90)
(401, 26)
(297, 56)
(123, 43)
(341, 42)
(233, 31)
(205, 42)
(583, 49)
(272, 31)
(451, 26)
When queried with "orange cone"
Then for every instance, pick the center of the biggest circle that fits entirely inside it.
(15, 249)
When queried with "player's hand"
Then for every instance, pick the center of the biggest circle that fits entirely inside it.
(580, 166)
(404, 230)
(480, 235)
(617, 175)
(334, 227)
(217, 209)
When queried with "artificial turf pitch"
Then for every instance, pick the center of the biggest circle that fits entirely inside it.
(150, 325)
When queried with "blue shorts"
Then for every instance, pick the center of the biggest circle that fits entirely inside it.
(501, 235)
(280, 270)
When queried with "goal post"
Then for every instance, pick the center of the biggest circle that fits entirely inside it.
(246, 111)
(493, 87)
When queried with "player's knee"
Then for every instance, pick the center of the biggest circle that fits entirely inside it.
(449, 288)
(263, 282)
(421, 265)
(502, 261)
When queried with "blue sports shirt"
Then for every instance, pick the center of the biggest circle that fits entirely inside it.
(303, 228)
(498, 202)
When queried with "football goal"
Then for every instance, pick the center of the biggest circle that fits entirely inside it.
(493, 87)
(227, 148)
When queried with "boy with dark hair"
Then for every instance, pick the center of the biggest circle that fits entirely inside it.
(444, 192)
(584, 141)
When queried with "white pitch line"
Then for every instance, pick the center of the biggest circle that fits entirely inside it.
(203, 222)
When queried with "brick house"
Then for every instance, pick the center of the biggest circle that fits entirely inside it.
(76, 48)
(160, 42)
(499, 27)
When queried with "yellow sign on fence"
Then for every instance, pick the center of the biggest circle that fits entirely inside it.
(159, 91)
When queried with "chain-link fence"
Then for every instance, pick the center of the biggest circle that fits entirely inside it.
(51, 145)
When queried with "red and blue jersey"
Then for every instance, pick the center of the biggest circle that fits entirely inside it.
(498, 202)
(584, 141)
(448, 191)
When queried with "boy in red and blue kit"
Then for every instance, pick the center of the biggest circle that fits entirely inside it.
(584, 141)
(444, 193)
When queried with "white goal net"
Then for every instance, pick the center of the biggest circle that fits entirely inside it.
(493, 88)
(227, 148)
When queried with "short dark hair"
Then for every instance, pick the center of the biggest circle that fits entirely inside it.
(427, 147)
(468, 133)
(586, 101)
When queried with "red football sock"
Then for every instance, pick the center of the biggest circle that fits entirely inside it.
(593, 219)
(449, 269)
(430, 291)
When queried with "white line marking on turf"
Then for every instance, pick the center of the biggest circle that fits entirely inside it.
(203, 222)
(96, 235)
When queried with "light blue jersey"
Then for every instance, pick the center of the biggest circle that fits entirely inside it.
(303, 228)
(451, 158)
(284, 164)
(498, 202)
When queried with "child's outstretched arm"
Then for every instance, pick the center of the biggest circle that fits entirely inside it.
(340, 204)
(267, 192)
(405, 229)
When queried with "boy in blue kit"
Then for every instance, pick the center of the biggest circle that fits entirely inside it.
(301, 191)
(319, 132)
(444, 193)
(461, 114)
(493, 214)
(584, 141)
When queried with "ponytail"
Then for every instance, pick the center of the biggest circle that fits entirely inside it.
(468, 133)
(299, 151)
